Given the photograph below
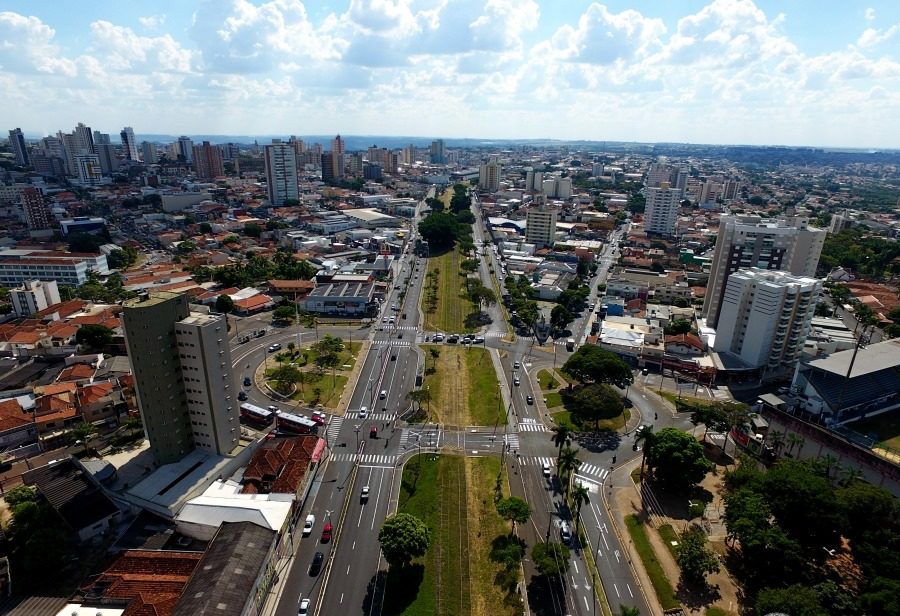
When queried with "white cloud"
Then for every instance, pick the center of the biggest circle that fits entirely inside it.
(872, 37)
(26, 46)
(123, 50)
(152, 22)
(870, 14)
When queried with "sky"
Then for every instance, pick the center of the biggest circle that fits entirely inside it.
(786, 72)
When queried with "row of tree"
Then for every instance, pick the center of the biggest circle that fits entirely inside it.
(444, 229)
(282, 266)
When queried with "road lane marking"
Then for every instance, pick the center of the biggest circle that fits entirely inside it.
(377, 499)
(576, 565)
(617, 589)
(628, 586)
(586, 606)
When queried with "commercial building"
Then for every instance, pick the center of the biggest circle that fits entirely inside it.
(343, 294)
(489, 176)
(18, 266)
(181, 362)
(88, 170)
(129, 143)
(184, 148)
(34, 296)
(82, 224)
(540, 226)
(789, 245)
(281, 172)
(765, 317)
(661, 211)
(438, 152)
(17, 141)
(208, 163)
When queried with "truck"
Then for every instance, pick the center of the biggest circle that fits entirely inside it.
(570, 344)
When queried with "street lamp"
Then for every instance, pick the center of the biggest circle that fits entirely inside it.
(356, 430)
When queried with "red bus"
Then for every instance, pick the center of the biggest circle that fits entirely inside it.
(298, 424)
(257, 415)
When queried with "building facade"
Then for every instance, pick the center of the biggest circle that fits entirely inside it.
(661, 212)
(17, 141)
(489, 176)
(129, 143)
(766, 316)
(34, 296)
(88, 170)
(208, 163)
(540, 226)
(281, 173)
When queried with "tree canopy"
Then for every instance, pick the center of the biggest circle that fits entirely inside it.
(403, 537)
(591, 364)
(94, 336)
(550, 558)
(595, 402)
(514, 509)
(676, 459)
(694, 558)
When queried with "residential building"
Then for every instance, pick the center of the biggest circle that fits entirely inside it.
(744, 241)
(181, 362)
(765, 317)
(540, 225)
(661, 212)
(19, 148)
(148, 151)
(84, 139)
(101, 138)
(36, 210)
(489, 176)
(281, 173)
(34, 296)
(438, 152)
(129, 143)
(184, 148)
(88, 170)
(557, 187)
(534, 180)
(373, 172)
(208, 163)
(18, 267)
(328, 169)
(109, 162)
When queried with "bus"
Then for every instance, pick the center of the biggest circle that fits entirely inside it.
(257, 415)
(298, 424)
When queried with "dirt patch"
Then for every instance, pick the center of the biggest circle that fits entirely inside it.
(452, 380)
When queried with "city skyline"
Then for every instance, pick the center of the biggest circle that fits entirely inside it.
(722, 71)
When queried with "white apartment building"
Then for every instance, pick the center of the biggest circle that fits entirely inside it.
(148, 151)
(661, 212)
(34, 296)
(765, 317)
(281, 173)
(489, 176)
(540, 226)
(789, 245)
(17, 269)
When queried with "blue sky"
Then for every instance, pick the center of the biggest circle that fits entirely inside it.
(795, 72)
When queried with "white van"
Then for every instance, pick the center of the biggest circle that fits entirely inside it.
(308, 525)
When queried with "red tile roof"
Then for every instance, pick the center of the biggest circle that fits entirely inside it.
(12, 415)
(280, 461)
(76, 372)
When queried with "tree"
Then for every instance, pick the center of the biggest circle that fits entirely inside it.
(646, 437)
(251, 229)
(133, 424)
(440, 230)
(712, 417)
(286, 376)
(419, 396)
(625, 610)
(676, 459)
(678, 327)
(562, 436)
(284, 314)
(403, 537)
(205, 227)
(590, 363)
(20, 494)
(695, 559)
(224, 304)
(551, 559)
(796, 600)
(513, 509)
(560, 317)
(82, 433)
(122, 258)
(435, 353)
(580, 496)
(596, 402)
(568, 464)
(94, 336)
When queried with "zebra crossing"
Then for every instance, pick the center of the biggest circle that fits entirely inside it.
(393, 343)
(334, 428)
(512, 440)
(380, 416)
(368, 459)
(531, 425)
(588, 472)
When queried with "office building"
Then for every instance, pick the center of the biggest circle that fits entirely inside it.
(19, 147)
(281, 172)
(788, 245)
(88, 170)
(540, 226)
(35, 209)
(184, 149)
(208, 163)
(661, 211)
(765, 317)
(328, 172)
(373, 172)
(34, 296)
(181, 362)
(489, 176)
(438, 152)
(17, 267)
(129, 143)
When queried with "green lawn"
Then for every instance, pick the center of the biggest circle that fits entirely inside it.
(668, 535)
(452, 308)
(661, 584)
(330, 390)
(485, 406)
(455, 576)
(347, 357)
(546, 380)
(885, 427)
(553, 399)
(463, 387)
(564, 418)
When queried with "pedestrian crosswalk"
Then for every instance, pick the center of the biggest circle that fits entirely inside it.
(531, 425)
(393, 343)
(370, 459)
(512, 440)
(537, 461)
(592, 470)
(334, 428)
(589, 472)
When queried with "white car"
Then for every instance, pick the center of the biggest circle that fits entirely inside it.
(308, 525)
(364, 495)
(303, 610)
(363, 412)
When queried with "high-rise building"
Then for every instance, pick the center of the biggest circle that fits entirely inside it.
(33, 296)
(328, 173)
(184, 148)
(181, 362)
(84, 138)
(534, 180)
(19, 148)
(788, 244)
(540, 225)
(87, 167)
(148, 150)
(101, 138)
(208, 161)
(337, 155)
(409, 154)
(438, 152)
(35, 209)
(299, 146)
(556, 187)
(109, 162)
(765, 316)
(661, 211)
(129, 143)
(337, 146)
(489, 176)
(373, 172)
(281, 172)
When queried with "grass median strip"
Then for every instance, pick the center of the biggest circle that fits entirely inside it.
(661, 584)
(451, 308)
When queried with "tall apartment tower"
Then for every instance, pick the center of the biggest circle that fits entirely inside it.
(789, 245)
(661, 212)
(208, 161)
(36, 210)
(181, 362)
(184, 147)
(534, 180)
(17, 141)
(765, 317)
(109, 162)
(101, 138)
(148, 150)
(489, 176)
(84, 139)
(337, 157)
(281, 172)
(88, 169)
(129, 143)
(409, 154)
(438, 152)
(34, 296)
(540, 226)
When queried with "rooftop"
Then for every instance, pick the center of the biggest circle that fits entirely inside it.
(874, 358)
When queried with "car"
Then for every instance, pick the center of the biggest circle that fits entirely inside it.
(517, 382)
(373, 432)
(319, 417)
(478, 340)
(516, 365)
(784, 390)
(395, 307)
(403, 316)
(394, 357)
(247, 381)
(396, 287)
(452, 339)
(546, 469)
(316, 565)
(382, 394)
(273, 408)
(303, 609)
(274, 347)
(326, 532)
(645, 372)
(384, 319)
(363, 412)
(364, 495)
(400, 335)
(308, 525)
(529, 399)
(242, 395)
(438, 337)
(591, 307)
(467, 338)
(565, 533)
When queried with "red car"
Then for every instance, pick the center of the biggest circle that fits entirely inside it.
(319, 418)
(373, 432)
(326, 532)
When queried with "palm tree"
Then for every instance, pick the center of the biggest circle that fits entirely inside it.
(829, 463)
(82, 433)
(800, 443)
(625, 610)
(646, 436)
(777, 439)
(850, 475)
(435, 353)
(580, 496)
(793, 440)
(292, 347)
(568, 464)
(562, 436)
